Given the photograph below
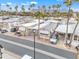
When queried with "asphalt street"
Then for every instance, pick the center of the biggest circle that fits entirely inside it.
(21, 51)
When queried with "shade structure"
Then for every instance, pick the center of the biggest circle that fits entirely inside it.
(11, 20)
(34, 22)
(54, 21)
(62, 28)
(77, 31)
(44, 32)
(41, 25)
(71, 21)
(50, 26)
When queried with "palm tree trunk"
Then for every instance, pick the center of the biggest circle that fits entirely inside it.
(72, 38)
(68, 16)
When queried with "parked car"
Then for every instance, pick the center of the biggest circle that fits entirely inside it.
(54, 41)
(4, 30)
(26, 57)
(54, 38)
(14, 29)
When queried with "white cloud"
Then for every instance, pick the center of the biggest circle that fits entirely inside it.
(23, 4)
(9, 3)
(33, 2)
(3, 4)
(28, 3)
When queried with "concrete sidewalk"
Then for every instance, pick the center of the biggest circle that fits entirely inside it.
(9, 55)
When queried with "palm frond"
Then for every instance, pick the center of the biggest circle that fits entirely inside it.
(68, 2)
(76, 0)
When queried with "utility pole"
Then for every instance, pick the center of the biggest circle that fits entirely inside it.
(34, 43)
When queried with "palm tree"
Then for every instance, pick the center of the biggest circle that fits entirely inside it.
(54, 9)
(53, 6)
(58, 6)
(16, 9)
(31, 8)
(7, 5)
(43, 9)
(49, 8)
(39, 15)
(72, 38)
(10, 8)
(39, 8)
(68, 4)
(23, 9)
(77, 18)
(58, 9)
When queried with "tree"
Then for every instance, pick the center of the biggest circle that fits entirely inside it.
(8, 6)
(23, 9)
(57, 9)
(53, 6)
(68, 4)
(39, 8)
(43, 9)
(58, 6)
(31, 8)
(39, 15)
(49, 7)
(72, 38)
(77, 18)
(16, 9)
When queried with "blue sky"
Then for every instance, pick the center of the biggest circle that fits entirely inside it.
(39, 3)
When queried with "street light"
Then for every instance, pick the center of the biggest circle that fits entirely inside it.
(0, 51)
(34, 42)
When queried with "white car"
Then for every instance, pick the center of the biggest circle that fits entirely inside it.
(53, 40)
(26, 57)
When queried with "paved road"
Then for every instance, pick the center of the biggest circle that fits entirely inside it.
(21, 51)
